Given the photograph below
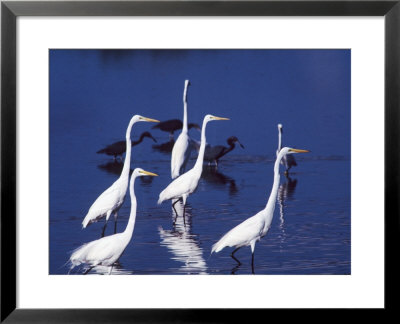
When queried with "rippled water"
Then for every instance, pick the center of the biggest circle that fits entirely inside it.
(310, 231)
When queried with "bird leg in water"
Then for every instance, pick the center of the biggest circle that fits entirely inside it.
(173, 206)
(233, 256)
(252, 263)
(88, 270)
(109, 272)
(104, 229)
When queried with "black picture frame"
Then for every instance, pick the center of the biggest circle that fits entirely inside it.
(10, 10)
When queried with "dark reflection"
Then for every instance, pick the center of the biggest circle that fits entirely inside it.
(113, 167)
(183, 244)
(213, 176)
(285, 192)
(165, 148)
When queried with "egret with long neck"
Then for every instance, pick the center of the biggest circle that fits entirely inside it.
(111, 200)
(183, 186)
(287, 161)
(254, 228)
(107, 250)
(182, 148)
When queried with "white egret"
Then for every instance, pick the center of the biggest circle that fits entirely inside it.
(254, 228)
(119, 148)
(288, 161)
(107, 250)
(182, 148)
(187, 183)
(111, 200)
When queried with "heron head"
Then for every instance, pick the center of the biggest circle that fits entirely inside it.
(290, 150)
(234, 139)
(147, 134)
(195, 126)
(138, 172)
(211, 117)
(145, 119)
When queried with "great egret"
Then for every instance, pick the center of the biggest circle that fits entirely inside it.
(107, 250)
(288, 161)
(119, 148)
(111, 200)
(214, 153)
(254, 228)
(172, 125)
(182, 147)
(187, 183)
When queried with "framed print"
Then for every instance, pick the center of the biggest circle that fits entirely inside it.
(147, 143)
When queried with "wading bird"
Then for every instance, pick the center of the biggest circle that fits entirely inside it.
(111, 200)
(254, 228)
(182, 147)
(172, 125)
(288, 161)
(214, 153)
(119, 148)
(184, 185)
(107, 250)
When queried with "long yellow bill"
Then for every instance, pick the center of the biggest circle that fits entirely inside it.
(151, 120)
(299, 151)
(149, 173)
(220, 118)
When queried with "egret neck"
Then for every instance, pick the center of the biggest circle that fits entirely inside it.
(127, 162)
(185, 124)
(132, 217)
(279, 141)
(199, 162)
(270, 207)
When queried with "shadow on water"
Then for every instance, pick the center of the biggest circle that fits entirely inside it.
(212, 176)
(112, 167)
(183, 244)
(165, 148)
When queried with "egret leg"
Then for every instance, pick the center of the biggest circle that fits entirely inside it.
(109, 272)
(233, 256)
(184, 197)
(88, 270)
(104, 229)
(252, 263)
(176, 214)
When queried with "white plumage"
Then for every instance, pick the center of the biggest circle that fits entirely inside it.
(187, 183)
(254, 228)
(288, 161)
(111, 200)
(107, 250)
(182, 147)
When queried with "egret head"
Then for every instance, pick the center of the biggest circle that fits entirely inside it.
(138, 172)
(187, 83)
(280, 128)
(289, 150)
(139, 118)
(208, 118)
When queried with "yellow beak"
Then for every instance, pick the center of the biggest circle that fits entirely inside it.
(151, 120)
(299, 151)
(220, 118)
(149, 173)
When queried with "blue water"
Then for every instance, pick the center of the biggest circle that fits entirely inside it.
(93, 95)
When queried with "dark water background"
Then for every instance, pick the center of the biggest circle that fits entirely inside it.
(93, 95)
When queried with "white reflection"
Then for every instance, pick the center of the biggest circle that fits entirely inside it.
(182, 244)
(285, 192)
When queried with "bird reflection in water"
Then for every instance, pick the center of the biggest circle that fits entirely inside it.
(183, 244)
(285, 192)
(214, 177)
(117, 269)
(115, 167)
(165, 148)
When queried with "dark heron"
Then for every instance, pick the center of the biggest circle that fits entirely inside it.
(214, 153)
(119, 148)
(172, 125)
